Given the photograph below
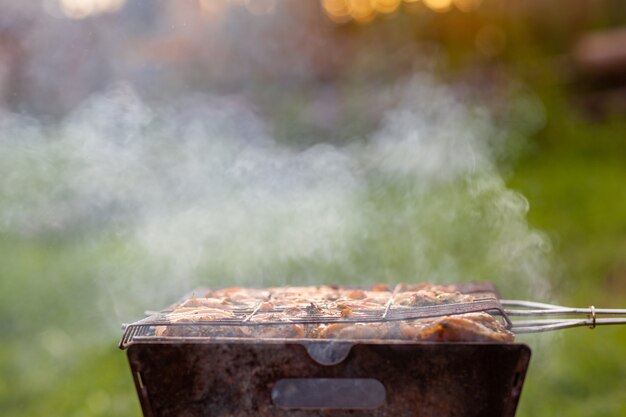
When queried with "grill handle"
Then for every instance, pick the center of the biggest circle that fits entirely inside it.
(556, 317)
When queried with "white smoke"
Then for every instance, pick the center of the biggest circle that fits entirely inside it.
(198, 193)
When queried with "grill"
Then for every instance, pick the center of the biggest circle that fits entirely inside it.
(215, 368)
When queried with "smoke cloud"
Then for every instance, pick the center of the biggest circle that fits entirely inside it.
(198, 193)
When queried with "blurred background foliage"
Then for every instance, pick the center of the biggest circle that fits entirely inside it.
(316, 71)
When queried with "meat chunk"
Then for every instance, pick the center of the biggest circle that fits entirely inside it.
(331, 312)
(470, 327)
(421, 298)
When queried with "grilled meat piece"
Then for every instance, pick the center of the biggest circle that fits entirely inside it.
(421, 298)
(375, 330)
(183, 318)
(470, 327)
(275, 312)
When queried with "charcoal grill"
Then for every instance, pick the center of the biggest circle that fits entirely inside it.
(185, 376)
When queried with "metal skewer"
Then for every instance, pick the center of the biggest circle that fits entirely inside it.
(533, 309)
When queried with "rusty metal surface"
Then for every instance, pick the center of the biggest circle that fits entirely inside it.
(420, 379)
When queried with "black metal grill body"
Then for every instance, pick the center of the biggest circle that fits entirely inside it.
(245, 378)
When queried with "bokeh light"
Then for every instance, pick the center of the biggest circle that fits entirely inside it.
(337, 10)
(412, 6)
(386, 6)
(362, 11)
(439, 5)
(78, 9)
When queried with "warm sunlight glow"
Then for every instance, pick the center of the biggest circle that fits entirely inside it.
(362, 10)
(386, 6)
(337, 10)
(78, 9)
(439, 5)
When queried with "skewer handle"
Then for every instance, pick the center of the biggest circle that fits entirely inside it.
(534, 309)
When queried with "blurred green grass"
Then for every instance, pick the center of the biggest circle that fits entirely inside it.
(575, 178)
